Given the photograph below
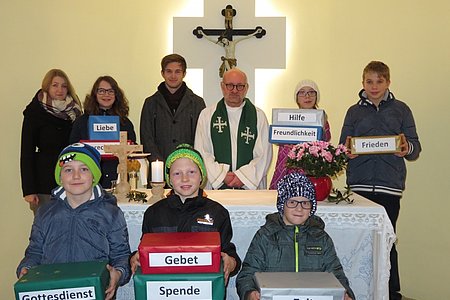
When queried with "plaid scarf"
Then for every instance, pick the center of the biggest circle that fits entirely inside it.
(67, 109)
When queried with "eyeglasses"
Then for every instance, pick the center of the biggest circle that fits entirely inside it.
(294, 203)
(239, 87)
(307, 93)
(101, 91)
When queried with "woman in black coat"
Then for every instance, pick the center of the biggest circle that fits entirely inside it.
(46, 128)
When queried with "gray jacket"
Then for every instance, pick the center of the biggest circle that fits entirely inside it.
(273, 250)
(94, 231)
(161, 131)
(384, 173)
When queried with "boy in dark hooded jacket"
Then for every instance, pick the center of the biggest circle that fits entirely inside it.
(292, 240)
(188, 209)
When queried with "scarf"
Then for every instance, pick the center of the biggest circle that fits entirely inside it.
(173, 100)
(67, 109)
(246, 138)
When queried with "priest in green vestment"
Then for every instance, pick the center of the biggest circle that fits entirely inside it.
(233, 138)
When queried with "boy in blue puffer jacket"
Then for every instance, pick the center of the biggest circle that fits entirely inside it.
(381, 177)
(292, 240)
(81, 222)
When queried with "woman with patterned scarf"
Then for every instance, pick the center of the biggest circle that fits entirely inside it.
(46, 129)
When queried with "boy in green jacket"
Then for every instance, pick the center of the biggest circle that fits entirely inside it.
(292, 240)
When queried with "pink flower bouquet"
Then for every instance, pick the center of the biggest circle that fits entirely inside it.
(318, 158)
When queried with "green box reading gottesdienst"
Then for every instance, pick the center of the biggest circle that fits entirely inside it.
(79, 280)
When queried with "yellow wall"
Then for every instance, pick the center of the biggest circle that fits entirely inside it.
(331, 42)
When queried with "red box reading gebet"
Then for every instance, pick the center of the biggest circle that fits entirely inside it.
(180, 252)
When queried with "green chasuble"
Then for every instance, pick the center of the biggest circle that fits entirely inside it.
(246, 137)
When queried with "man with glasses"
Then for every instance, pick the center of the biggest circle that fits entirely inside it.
(232, 137)
(292, 240)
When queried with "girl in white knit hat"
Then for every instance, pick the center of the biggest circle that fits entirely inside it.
(307, 96)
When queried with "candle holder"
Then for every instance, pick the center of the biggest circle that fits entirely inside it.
(157, 191)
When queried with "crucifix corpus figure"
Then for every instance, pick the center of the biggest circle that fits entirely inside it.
(225, 38)
(121, 151)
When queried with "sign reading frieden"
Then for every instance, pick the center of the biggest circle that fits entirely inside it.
(294, 134)
(375, 144)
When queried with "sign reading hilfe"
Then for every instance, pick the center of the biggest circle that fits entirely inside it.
(180, 252)
(375, 144)
(298, 117)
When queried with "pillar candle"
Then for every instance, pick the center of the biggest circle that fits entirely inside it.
(157, 171)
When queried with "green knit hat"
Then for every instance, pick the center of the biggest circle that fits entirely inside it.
(186, 151)
(80, 152)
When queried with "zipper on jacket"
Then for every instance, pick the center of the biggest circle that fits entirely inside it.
(192, 127)
(154, 124)
(296, 236)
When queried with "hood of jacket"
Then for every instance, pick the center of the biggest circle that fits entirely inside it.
(34, 107)
(275, 223)
(98, 194)
(364, 100)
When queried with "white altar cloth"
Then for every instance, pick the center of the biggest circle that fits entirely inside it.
(362, 234)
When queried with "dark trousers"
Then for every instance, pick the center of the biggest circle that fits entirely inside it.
(391, 204)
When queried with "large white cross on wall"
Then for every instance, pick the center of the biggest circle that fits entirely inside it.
(268, 52)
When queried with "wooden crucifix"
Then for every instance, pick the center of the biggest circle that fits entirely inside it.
(121, 151)
(225, 38)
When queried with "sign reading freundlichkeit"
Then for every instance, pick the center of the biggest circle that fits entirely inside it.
(294, 134)
(292, 126)
(375, 144)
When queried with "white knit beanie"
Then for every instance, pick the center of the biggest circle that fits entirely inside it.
(311, 84)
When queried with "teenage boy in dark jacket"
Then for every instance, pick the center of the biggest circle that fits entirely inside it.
(169, 117)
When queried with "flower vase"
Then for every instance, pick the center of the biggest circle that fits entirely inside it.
(322, 186)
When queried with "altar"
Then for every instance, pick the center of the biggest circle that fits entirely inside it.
(361, 231)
